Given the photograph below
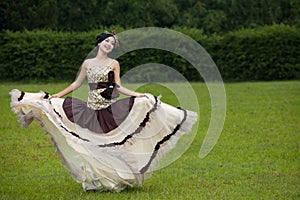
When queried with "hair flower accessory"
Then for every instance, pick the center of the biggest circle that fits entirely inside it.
(114, 32)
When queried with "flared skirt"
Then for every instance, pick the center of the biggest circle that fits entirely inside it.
(110, 149)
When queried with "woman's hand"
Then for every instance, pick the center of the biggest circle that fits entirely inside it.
(139, 95)
(54, 96)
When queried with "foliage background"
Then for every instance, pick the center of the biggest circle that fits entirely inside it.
(248, 40)
(266, 53)
(212, 16)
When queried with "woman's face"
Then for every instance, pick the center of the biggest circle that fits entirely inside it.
(107, 45)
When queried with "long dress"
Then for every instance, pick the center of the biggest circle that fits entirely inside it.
(106, 143)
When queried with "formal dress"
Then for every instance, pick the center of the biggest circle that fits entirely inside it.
(106, 143)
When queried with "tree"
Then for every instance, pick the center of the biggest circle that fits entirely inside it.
(28, 14)
(77, 15)
(209, 15)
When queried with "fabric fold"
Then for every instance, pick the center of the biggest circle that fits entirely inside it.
(137, 133)
(99, 121)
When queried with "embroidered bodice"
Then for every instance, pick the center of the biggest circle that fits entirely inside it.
(97, 74)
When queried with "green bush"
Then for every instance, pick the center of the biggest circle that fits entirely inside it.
(267, 53)
(41, 55)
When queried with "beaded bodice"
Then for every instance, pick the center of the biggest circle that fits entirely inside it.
(97, 74)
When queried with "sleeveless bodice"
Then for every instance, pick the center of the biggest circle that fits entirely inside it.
(97, 74)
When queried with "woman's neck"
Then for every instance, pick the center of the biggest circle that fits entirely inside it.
(101, 56)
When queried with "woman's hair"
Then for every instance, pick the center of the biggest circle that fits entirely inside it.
(102, 37)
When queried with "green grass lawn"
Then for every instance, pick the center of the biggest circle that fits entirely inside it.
(256, 157)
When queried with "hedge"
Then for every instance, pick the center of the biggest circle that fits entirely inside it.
(42, 55)
(267, 53)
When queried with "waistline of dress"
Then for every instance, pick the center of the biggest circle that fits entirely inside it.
(99, 85)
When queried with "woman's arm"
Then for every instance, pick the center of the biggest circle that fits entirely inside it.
(121, 89)
(76, 84)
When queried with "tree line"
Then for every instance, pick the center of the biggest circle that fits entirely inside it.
(212, 16)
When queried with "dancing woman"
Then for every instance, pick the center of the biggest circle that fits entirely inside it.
(106, 143)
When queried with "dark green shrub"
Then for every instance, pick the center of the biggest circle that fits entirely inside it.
(267, 53)
(43, 55)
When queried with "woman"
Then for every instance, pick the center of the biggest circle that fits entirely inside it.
(105, 143)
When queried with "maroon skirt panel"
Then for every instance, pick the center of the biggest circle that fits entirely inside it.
(99, 121)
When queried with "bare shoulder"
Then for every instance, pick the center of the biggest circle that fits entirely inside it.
(115, 64)
(86, 62)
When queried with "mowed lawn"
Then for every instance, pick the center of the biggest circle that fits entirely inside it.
(257, 155)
